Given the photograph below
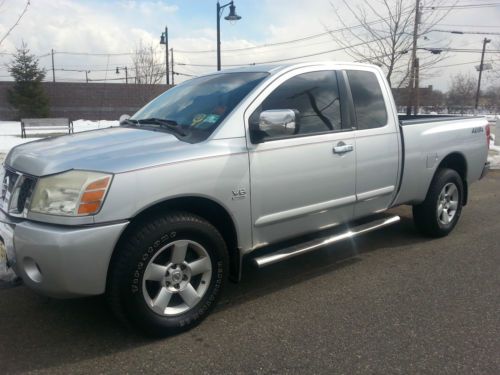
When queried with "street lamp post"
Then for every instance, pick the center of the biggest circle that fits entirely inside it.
(126, 72)
(232, 16)
(164, 40)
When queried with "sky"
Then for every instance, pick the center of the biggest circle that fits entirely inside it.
(114, 28)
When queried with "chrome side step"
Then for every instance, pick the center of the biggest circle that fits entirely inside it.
(293, 251)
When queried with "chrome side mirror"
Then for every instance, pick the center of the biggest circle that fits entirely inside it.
(124, 117)
(278, 122)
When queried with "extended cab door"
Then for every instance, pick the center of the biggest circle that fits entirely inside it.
(303, 182)
(377, 141)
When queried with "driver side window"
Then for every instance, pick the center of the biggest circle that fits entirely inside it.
(313, 96)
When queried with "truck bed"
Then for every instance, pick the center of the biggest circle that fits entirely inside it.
(427, 139)
(420, 119)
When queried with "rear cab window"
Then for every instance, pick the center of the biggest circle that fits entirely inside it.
(369, 105)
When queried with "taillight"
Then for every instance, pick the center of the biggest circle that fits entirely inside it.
(488, 132)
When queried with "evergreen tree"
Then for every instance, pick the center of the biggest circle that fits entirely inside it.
(27, 95)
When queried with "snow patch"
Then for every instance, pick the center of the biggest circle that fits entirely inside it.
(10, 131)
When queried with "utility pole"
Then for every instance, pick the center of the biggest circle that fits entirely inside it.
(411, 83)
(166, 55)
(126, 75)
(172, 64)
(164, 40)
(417, 86)
(481, 68)
(53, 70)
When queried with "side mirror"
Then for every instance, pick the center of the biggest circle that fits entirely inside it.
(278, 122)
(124, 117)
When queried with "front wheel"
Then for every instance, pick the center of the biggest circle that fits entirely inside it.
(168, 274)
(441, 209)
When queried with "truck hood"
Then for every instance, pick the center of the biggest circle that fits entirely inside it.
(111, 150)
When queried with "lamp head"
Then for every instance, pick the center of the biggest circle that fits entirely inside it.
(232, 16)
(162, 39)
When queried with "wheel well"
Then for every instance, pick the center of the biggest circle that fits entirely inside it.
(209, 210)
(458, 163)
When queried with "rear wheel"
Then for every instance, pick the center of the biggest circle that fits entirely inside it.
(439, 213)
(168, 274)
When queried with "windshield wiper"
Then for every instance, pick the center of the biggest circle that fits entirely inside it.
(128, 122)
(169, 124)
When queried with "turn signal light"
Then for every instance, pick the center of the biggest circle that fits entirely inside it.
(93, 196)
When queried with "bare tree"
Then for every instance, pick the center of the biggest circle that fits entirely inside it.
(384, 34)
(494, 60)
(18, 19)
(462, 92)
(491, 99)
(147, 64)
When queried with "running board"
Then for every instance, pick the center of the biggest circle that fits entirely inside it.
(293, 251)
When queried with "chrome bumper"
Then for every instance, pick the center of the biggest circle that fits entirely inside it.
(60, 261)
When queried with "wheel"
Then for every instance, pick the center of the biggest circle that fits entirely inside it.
(167, 274)
(441, 209)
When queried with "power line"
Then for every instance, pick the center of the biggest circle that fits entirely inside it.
(93, 54)
(463, 25)
(464, 6)
(467, 32)
(309, 37)
(290, 58)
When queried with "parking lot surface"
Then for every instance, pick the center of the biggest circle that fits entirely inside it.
(391, 302)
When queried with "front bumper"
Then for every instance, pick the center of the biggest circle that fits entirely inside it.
(60, 261)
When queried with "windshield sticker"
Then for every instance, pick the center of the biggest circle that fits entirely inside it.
(212, 119)
(198, 119)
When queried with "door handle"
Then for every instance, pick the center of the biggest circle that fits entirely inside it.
(342, 148)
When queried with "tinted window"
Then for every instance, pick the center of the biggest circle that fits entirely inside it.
(368, 100)
(199, 105)
(315, 98)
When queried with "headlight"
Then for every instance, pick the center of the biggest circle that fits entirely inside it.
(74, 193)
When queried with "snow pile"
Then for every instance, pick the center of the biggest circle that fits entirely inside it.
(10, 131)
(494, 155)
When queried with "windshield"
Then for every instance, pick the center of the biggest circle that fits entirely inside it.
(199, 105)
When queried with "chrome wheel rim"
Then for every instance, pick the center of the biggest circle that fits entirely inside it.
(177, 277)
(447, 203)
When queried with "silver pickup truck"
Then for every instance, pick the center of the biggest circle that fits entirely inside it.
(242, 164)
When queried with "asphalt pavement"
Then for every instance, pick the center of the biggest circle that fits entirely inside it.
(391, 302)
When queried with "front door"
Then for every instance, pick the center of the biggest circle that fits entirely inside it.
(304, 182)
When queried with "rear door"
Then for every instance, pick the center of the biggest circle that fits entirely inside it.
(377, 142)
(300, 183)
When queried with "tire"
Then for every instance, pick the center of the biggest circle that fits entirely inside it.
(167, 274)
(438, 214)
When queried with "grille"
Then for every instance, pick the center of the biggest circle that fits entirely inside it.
(16, 192)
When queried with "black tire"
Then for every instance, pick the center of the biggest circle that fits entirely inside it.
(137, 250)
(425, 215)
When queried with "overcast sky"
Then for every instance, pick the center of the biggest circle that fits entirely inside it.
(117, 26)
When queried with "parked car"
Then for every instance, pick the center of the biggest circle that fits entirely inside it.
(158, 212)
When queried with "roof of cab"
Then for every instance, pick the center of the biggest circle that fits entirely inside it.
(275, 68)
